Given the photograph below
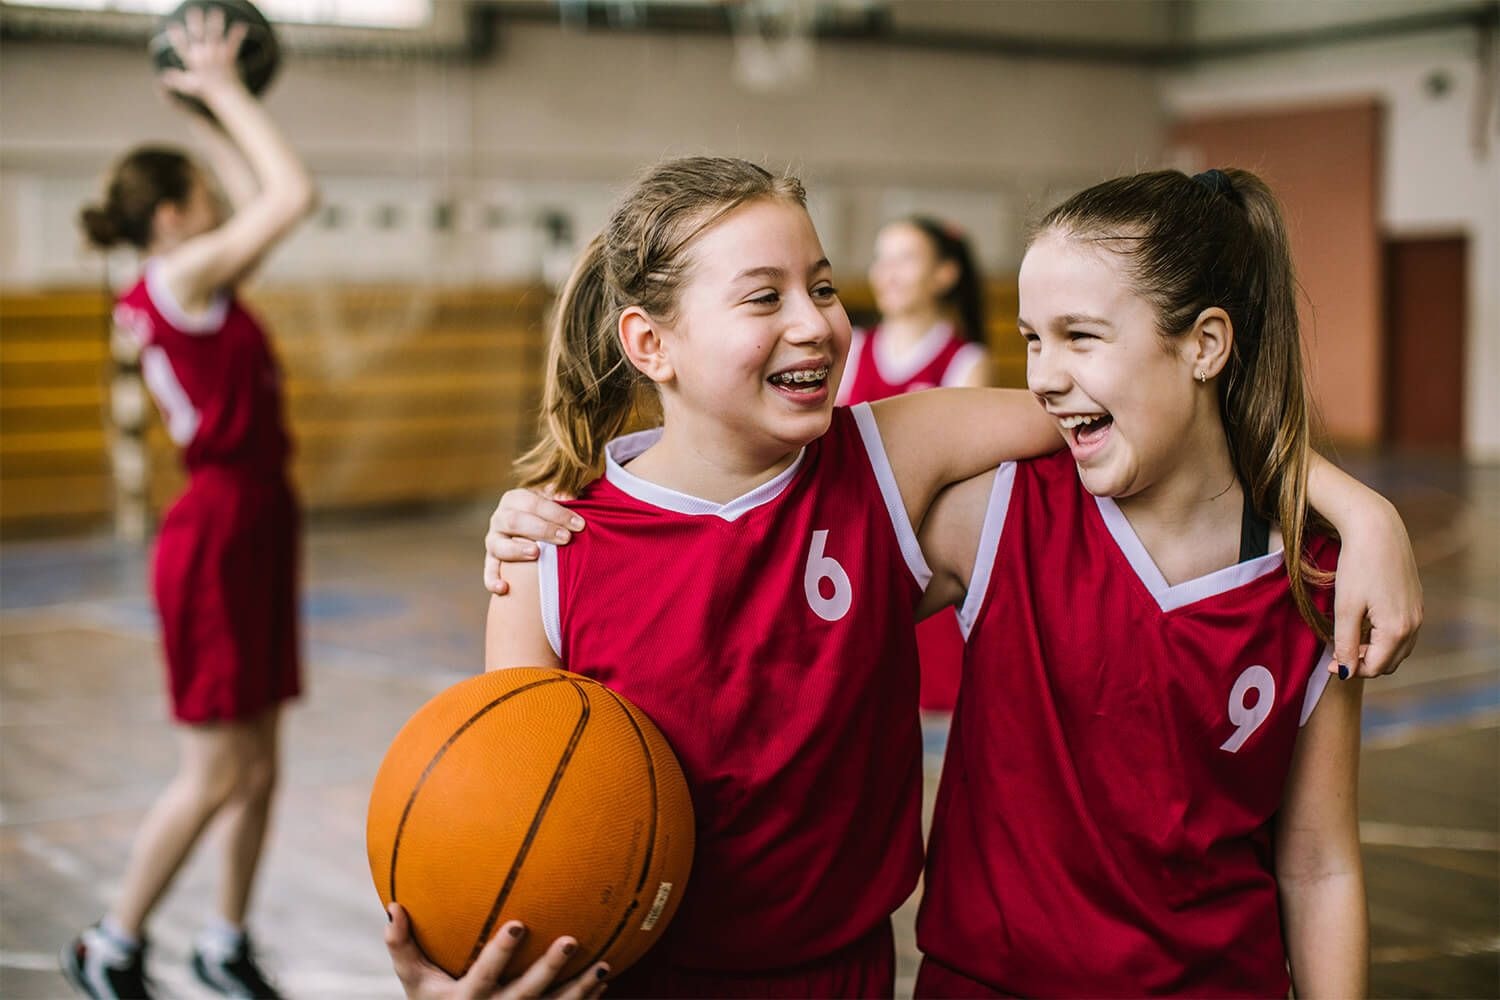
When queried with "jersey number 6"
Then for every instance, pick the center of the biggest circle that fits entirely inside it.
(820, 568)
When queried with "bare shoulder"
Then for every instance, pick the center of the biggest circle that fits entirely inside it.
(950, 532)
(515, 634)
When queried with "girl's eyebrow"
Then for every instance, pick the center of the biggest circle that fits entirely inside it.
(1071, 319)
(776, 273)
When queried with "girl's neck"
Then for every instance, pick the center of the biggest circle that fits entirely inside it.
(904, 332)
(1189, 521)
(708, 466)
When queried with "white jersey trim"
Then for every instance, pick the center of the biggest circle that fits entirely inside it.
(923, 353)
(1316, 684)
(211, 320)
(851, 365)
(623, 449)
(989, 544)
(177, 410)
(906, 535)
(1171, 597)
(546, 580)
(969, 357)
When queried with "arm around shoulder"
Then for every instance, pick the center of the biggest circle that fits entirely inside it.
(944, 436)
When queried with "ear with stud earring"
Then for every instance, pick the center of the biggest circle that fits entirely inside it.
(1201, 375)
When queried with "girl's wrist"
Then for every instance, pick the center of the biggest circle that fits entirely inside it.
(221, 88)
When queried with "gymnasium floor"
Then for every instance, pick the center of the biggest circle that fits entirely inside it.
(395, 612)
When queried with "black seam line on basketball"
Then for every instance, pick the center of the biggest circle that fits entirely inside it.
(417, 788)
(635, 899)
(536, 821)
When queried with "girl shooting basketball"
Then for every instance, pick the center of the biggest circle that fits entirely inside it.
(225, 569)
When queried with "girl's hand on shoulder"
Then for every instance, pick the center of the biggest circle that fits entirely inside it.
(1376, 582)
(523, 518)
(208, 52)
(424, 981)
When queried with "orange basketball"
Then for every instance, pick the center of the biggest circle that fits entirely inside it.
(535, 795)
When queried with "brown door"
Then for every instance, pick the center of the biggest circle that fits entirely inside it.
(1424, 330)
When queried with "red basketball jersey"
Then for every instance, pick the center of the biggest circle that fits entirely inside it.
(1117, 756)
(771, 641)
(941, 358)
(213, 376)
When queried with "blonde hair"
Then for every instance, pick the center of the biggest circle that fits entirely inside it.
(1190, 243)
(640, 258)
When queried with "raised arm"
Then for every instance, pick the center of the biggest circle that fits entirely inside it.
(226, 161)
(218, 259)
(1377, 577)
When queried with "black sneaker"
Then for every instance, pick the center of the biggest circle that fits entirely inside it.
(101, 968)
(234, 974)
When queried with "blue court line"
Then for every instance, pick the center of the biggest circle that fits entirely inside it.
(1434, 709)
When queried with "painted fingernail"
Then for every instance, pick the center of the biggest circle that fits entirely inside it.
(569, 948)
(388, 917)
(576, 524)
(601, 972)
(1343, 672)
(515, 930)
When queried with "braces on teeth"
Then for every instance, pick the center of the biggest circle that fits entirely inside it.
(806, 375)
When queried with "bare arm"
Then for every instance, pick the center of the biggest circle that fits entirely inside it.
(944, 436)
(203, 265)
(225, 160)
(513, 632)
(1377, 573)
(1318, 871)
(950, 541)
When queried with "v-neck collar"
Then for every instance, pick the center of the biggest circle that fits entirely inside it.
(622, 449)
(1170, 597)
(896, 370)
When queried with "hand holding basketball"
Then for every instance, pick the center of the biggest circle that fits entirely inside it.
(421, 979)
(208, 51)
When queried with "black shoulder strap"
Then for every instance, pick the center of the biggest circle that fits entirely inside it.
(1255, 532)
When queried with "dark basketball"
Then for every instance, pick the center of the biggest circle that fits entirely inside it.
(260, 54)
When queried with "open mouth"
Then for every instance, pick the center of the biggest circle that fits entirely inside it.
(801, 381)
(1086, 430)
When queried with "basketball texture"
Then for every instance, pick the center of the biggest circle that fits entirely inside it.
(259, 55)
(537, 795)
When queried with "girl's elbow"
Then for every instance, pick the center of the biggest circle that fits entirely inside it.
(304, 198)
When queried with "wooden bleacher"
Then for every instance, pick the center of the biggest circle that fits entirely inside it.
(394, 397)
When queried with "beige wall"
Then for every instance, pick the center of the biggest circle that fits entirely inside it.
(566, 117)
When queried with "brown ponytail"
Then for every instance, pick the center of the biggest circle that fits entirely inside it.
(639, 258)
(141, 181)
(1219, 240)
